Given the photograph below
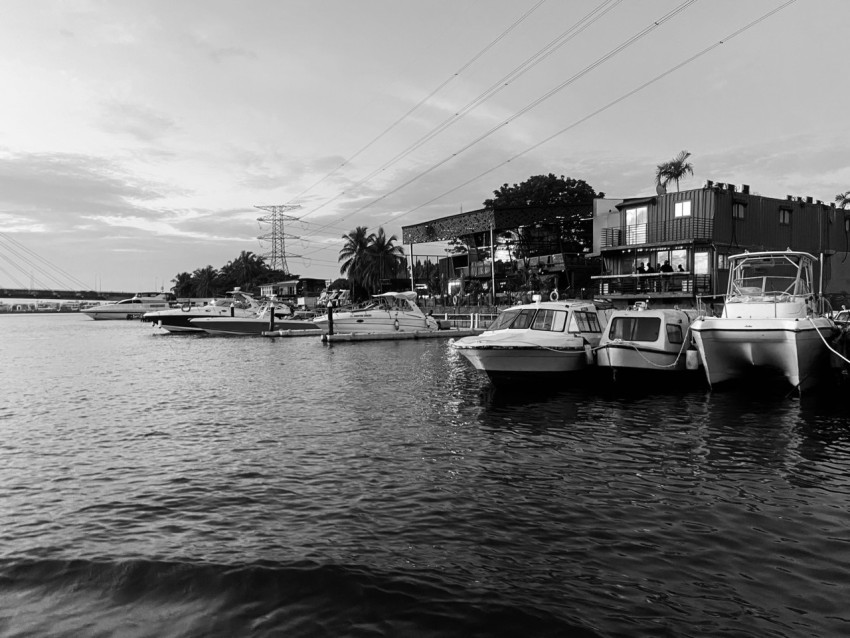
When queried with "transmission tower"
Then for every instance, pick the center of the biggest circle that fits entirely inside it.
(277, 237)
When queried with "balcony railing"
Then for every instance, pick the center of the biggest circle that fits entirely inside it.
(680, 284)
(680, 229)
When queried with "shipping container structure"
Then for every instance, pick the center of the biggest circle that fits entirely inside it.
(695, 232)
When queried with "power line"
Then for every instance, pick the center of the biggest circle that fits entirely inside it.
(595, 64)
(530, 62)
(392, 126)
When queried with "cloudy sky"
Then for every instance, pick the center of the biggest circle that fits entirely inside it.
(137, 136)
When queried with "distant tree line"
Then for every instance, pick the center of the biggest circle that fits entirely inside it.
(247, 271)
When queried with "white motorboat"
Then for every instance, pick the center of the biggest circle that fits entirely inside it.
(235, 303)
(770, 322)
(133, 308)
(388, 312)
(647, 339)
(255, 324)
(537, 341)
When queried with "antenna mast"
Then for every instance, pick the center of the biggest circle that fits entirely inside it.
(277, 237)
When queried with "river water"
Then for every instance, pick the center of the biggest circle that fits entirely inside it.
(166, 485)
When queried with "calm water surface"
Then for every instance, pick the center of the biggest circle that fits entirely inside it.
(163, 485)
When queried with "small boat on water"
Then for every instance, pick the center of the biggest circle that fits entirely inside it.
(256, 324)
(771, 324)
(235, 303)
(387, 312)
(538, 341)
(643, 339)
(132, 308)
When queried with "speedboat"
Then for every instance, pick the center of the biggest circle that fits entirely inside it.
(271, 317)
(133, 308)
(235, 303)
(771, 323)
(537, 341)
(387, 312)
(647, 339)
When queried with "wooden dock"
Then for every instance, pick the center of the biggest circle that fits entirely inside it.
(398, 336)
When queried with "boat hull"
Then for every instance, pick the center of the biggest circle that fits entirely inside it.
(500, 361)
(374, 322)
(641, 357)
(248, 326)
(733, 349)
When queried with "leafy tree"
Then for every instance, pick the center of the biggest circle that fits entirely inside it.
(543, 190)
(568, 233)
(673, 171)
(204, 281)
(842, 199)
(183, 285)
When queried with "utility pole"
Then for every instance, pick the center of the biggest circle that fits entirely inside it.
(277, 218)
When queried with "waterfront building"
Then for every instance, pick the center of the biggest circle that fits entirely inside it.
(694, 232)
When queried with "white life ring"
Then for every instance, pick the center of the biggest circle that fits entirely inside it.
(455, 299)
(553, 296)
(395, 324)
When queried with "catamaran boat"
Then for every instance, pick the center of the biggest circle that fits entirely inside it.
(644, 339)
(133, 308)
(235, 303)
(537, 341)
(257, 324)
(388, 312)
(771, 322)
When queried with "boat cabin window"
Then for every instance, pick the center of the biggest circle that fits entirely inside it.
(550, 320)
(582, 321)
(674, 333)
(523, 319)
(635, 328)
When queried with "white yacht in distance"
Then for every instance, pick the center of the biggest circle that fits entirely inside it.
(538, 341)
(132, 308)
(771, 322)
(388, 312)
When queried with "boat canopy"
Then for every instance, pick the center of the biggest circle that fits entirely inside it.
(407, 295)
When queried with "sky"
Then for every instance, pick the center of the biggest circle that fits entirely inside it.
(138, 137)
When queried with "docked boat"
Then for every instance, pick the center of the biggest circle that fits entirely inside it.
(537, 341)
(771, 323)
(235, 303)
(256, 324)
(388, 312)
(132, 308)
(643, 339)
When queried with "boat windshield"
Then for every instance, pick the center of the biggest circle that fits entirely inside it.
(635, 328)
(771, 276)
(550, 320)
(518, 319)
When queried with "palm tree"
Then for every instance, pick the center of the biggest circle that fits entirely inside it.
(353, 257)
(842, 199)
(204, 280)
(248, 267)
(182, 285)
(673, 171)
(384, 258)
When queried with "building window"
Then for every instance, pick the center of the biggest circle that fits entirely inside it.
(636, 225)
(739, 210)
(784, 217)
(682, 209)
(722, 264)
(847, 224)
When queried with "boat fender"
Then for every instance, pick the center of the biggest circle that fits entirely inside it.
(588, 354)
(553, 296)
(455, 299)
(395, 324)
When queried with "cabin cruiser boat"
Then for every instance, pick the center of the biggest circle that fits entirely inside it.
(133, 308)
(537, 340)
(256, 324)
(235, 303)
(388, 312)
(771, 322)
(647, 339)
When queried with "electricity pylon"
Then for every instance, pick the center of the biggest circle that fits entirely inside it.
(276, 258)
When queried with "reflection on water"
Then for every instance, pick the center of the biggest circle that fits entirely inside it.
(393, 483)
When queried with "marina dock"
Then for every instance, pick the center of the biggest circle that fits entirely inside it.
(398, 336)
